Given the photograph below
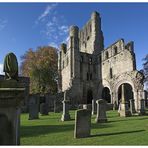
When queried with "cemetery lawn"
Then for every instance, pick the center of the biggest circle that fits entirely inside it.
(49, 130)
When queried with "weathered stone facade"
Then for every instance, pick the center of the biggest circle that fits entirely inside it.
(89, 71)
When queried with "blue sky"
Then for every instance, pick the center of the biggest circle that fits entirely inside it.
(29, 25)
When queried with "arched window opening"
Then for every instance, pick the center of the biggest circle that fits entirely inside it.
(106, 94)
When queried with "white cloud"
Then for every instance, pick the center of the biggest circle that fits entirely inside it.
(47, 11)
(53, 44)
(3, 23)
(53, 25)
(1, 69)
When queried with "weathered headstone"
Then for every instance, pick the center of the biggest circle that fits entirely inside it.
(33, 106)
(65, 115)
(101, 111)
(132, 106)
(82, 123)
(12, 93)
(124, 108)
(57, 106)
(44, 109)
(142, 107)
(94, 107)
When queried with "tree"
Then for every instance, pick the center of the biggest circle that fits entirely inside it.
(145, 70)
(41, 66)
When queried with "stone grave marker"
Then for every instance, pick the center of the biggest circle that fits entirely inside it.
(142, 107)
(65, 115)
(124, 108)
(33, 106)
(101, 111)
(44, 109)
(82, 123)
(94, 107)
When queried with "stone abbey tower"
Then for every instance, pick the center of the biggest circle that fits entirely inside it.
(90, 72)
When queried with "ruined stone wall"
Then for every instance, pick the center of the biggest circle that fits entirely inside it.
(90, 36)
(117, 59)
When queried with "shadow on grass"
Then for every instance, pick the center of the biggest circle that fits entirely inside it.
(132, 118)
(30, 131)
(117, 133)
(100, 125)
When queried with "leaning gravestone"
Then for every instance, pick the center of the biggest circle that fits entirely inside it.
(34, 106)
(12, 93)
(82, 123)
(44, 109)
(101, 111)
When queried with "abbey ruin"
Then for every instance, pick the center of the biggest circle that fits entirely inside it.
(89, 72)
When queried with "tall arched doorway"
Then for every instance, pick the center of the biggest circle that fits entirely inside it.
(128, 92)
(106, 94)
(89, 96)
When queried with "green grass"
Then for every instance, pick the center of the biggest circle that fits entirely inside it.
(49, 130)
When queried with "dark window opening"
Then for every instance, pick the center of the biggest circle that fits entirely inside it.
(111, 73)
(106, 94)
(115, 50)
(100, 59)
(89, 96)
(81, 58)
(106, 54)
(90, 60)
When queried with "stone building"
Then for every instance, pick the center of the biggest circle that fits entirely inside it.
(89, 71)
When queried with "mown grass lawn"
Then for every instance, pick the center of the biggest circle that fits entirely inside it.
(49, 130)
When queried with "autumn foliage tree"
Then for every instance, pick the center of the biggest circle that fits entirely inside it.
(41, 66)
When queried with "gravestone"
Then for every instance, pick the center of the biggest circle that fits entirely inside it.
(94, 107)
(34, 106)
(101, 111)
(132, 106)
(44, 109)
(57, 106)
(82, 123)
(142, 107)
(12, 93)
(65, 115)
(124, 106)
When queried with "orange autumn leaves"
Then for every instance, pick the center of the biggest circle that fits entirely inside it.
(41, 66)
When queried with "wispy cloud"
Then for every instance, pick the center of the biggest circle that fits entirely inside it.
(47, 11)
(1, 69)
(53, 25)
(3, 23)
